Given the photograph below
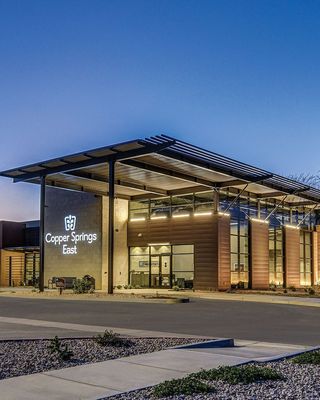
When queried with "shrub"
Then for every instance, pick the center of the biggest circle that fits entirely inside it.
(81, 286)
(119, 286)
(63, 352)
(110, 338)
(292, 288)
(285, 291)
(313, 357)
(183, 386)
(311, 291)
(175, 288)
(234, 375)
(272, 285)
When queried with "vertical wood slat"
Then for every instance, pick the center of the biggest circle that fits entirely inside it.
(210, 236)
(292, 257)
(316, 255)
(224, 274)
(259, 246)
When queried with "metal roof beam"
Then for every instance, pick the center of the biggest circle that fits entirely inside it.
(269, 195)
(79, 188)
(146, 149)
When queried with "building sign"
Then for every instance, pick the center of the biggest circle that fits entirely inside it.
(68, 240)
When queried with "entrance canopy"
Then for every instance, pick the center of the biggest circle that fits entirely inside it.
(162, 166)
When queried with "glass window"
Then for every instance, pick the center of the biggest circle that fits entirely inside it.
(162, 266)
(139, 266)
(276, 262)
(239, 241)
(160, 249)
(305, 258)
(182, 248)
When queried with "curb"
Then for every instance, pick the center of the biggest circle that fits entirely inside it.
(227, 342)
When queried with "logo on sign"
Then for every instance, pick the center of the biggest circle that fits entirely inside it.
(69, 241)
(70, 222)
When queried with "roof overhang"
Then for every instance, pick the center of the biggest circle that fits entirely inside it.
(161, 166)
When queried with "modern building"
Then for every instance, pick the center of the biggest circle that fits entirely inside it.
(19, 253)
(159, 212)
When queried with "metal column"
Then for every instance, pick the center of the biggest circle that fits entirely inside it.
(42, 215)
(111, 226)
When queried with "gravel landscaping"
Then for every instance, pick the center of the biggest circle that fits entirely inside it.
(300, 382)
(32, 356)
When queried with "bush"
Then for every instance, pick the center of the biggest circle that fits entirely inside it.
(311, 291)
(183, 386)
(119, 286)
(292, 288)
(82, 286)
(175, 288)
(313, 357)
(234, 375)
(285, 291)
(110, 338)
(63, 352)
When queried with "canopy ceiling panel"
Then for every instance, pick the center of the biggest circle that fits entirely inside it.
(139, 176)
(161, 165)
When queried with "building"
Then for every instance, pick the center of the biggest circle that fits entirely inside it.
(19, 253)
(160, 212)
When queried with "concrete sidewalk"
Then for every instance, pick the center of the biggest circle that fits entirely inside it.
(94, 381)
(125, 295)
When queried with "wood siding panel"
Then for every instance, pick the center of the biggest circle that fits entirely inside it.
(292, 257)
(316, 255)
(224, 273)
(259, 247)
(210, 236)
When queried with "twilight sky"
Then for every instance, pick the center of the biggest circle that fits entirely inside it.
(238, 77)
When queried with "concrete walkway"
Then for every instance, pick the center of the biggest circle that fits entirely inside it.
(125, 295)
(246, 297)
(94, 381)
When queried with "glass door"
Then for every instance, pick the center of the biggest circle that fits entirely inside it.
(155, 271)
(165, 271)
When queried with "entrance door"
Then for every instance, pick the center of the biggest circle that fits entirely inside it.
(165, 270)
(160, 271)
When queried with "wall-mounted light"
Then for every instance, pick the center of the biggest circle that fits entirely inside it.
(292, 226)
(224, 214)
(181, 215)
(137, 219)
(159, 244)
(203, 213)
(264, 221)
(159, 217)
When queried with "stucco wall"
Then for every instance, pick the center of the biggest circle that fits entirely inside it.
(120, 273)
(88, 211)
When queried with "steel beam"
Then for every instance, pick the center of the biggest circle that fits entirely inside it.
(111, 227)
(42, 217)
(147, 149)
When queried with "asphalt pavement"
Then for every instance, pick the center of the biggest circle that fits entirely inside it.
(215, 318)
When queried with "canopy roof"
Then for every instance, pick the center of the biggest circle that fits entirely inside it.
(161, 166)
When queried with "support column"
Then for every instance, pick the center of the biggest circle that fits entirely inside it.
(42, 216)
(259, 254)
(224, 262)
(316, 255)
(111, 227)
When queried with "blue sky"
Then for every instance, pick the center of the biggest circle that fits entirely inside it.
(238, 77)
